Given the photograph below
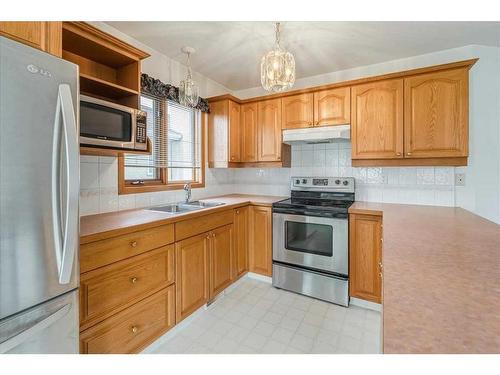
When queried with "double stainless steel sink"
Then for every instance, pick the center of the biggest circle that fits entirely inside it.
(180, 208)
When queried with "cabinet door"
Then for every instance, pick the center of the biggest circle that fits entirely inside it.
(218, 137)
(377, 120)
(240, 241)
(365, 257)
(436, 114)
(46, 36)
(261, 240)
(332, 107)
(269, 130)
(221, 252)
(192, 270)
(234, 132)
(249, 132)
(297, 111)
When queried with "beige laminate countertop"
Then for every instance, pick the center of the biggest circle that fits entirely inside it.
(95, 227)
(441, 279)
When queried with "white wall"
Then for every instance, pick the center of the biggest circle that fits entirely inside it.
(99, 175)
(481, 194)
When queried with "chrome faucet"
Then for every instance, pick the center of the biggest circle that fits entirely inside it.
(187, 189)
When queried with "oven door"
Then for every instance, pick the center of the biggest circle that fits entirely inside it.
(313, 242)
(106, 124)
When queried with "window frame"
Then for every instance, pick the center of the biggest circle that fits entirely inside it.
(162, 184)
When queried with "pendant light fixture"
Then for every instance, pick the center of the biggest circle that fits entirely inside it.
(188, 91)
(277, 67)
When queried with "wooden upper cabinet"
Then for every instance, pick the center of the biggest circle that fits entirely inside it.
(240, 251)
(436, 114)
(221, 262)
(365, 257)
(261, 247)
(377, 120)
(234, 132)
(248, 128)
(332, 107)
(46, 36)
(297, 111)
(269, 130)
(218, 134)
(192, 274)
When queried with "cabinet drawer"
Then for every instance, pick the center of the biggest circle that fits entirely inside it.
(131, 330)
(192, 227)
(109, 289)
(101, 253)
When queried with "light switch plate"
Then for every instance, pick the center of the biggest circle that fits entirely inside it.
(460, 179)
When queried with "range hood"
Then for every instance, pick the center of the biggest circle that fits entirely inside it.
(323, 134)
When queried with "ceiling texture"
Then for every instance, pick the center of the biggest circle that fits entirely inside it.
(230, 52)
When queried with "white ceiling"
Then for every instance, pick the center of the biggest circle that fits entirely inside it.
(230, 52)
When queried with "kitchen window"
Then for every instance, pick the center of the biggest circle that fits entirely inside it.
(177, 137)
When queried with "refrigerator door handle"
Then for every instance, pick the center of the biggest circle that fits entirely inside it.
(31, 331)
(65, 231)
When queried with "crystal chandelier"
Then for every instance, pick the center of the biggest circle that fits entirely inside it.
(188, 91)
(277, 67)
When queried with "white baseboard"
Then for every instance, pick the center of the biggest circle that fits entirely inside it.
(365, 304)
(256, 276)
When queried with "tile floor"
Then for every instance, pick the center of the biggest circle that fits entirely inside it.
(254, 317)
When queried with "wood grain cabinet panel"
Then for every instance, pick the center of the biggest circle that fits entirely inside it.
(100, 253)
(297, 111)
(261, 240)
(332, 107)
(131, 330)
(46, 36)
(269, 130)
(234, 132)
(191, 274)
(109, 289)
(241, 239)
(365, 257)
(201, 224)
(436, 114)
(218, 133)
(249, 132)
(377, 120)
(221, 254)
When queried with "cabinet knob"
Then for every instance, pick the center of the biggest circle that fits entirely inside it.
(279, 158)
(380, 274)
(213, 234)
(380, 264)
(232, 157)
(398, 153)
(208, 236)
(134, 329)
(408, 153)
(237, 211)
(133, 244)
(133, 280)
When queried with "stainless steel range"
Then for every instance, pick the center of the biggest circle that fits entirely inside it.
(310, 238)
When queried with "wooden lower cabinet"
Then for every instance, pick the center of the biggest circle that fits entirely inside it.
(261, 247)
(240, 250)
(133, 329)
(191, 274)
(365, 257)
(221, 253)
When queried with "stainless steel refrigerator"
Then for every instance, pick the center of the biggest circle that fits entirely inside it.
(39, 191)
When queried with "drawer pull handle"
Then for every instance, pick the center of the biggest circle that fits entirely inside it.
(134, 329)
(133, 280)
(133, 244)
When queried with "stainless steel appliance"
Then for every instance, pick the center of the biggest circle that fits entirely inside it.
(310, 238)
(39, 191)
(111, 125)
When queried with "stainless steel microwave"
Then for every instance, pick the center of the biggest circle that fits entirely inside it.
(111, 125)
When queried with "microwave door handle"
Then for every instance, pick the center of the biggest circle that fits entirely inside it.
(65, 231)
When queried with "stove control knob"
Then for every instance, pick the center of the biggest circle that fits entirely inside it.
(304, 181)
(345, 182)
(337, 182)
(297, 181)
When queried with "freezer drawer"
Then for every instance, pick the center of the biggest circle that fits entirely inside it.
(310, 283)
(50, 328)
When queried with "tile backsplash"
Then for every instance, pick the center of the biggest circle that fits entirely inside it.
(411, 185)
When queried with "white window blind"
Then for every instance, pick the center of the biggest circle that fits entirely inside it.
(175, 133)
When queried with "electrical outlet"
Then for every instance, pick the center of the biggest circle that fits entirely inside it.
(460, 179)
